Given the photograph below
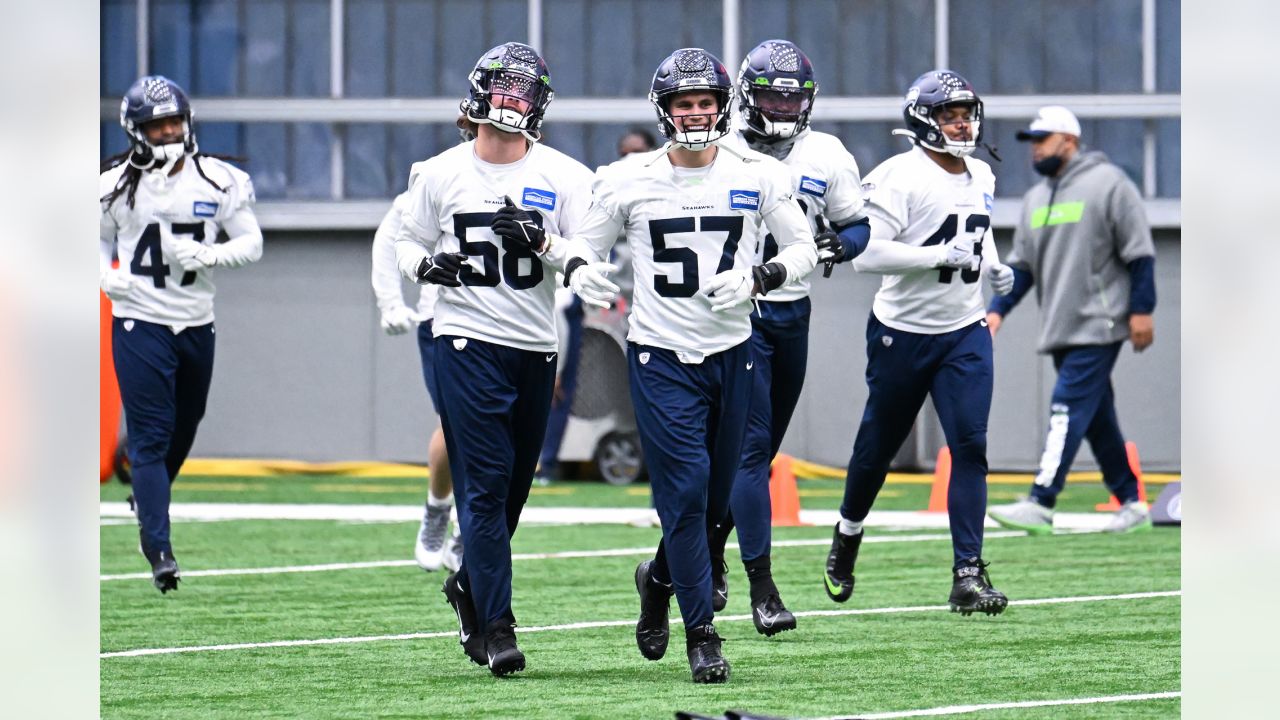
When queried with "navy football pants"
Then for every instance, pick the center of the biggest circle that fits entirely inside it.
(427, 351)
(1083, 406)
(493, 403)
(780, 353)
(902, 368)
(691, 420)
(164, 384)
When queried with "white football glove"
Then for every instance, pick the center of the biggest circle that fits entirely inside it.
(399, 320)
(1001, 277)
(728, 289)
(192, 255)
(957, 255)
(118, 284)
(591, 283)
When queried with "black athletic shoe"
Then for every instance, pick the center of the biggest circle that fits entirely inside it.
(706, 663)
(468, 633)
(719, 584)
(838, 579)
(652, 630)
(771, 616)
(500, 648)
(164, 571)
(971, 590)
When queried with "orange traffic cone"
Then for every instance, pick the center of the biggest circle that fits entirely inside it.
(783, 496)
(1131, 449)
(109, 389)
(941, 480)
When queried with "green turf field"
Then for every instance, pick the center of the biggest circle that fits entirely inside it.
(873, 662)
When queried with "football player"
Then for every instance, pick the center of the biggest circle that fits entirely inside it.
(163, 204)
(692, 212)
(480, 218)
(775, 90)
(930, 210)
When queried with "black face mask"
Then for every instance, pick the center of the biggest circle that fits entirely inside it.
(1048, 166)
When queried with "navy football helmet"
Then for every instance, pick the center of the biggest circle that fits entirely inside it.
(685, 70)
(151, 98)
(776, 87)
(930, 93)
(511, 70)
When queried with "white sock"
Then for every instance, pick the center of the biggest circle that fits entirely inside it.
(849, 527)
(434, 501)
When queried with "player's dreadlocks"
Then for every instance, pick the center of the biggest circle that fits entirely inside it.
(128, 183)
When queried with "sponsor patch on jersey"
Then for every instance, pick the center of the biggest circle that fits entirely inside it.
(204, 209)
(990, 201)
(744, 200)
(545, 199)
(813, 186)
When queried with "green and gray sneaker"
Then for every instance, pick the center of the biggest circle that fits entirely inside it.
(1131, 517)
(1026, 514)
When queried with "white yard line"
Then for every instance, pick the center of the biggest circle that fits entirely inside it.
(963, 709)
(618, 552)
(618, 623)
(885, 519)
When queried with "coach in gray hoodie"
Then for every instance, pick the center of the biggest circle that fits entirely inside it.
(1084, 244)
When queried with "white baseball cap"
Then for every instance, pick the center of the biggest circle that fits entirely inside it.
(1051, 119)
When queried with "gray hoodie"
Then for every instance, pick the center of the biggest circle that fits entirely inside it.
(1076, 236)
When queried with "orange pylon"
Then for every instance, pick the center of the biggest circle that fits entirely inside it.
(941, 480)
(109, 389)
(783, 496)
(1131, 449)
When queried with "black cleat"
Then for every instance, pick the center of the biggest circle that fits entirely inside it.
(719, 584)
(164, 566)
(706, 663)
(468, 633)
(771, 616)
(971, 590)
(164, 572)
(653, 631)
(838, 579)
(500, 648)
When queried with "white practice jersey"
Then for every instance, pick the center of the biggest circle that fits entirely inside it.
(507, 295)
(912, 200)
(387, 285)
(684, 226)
(187, 207)
(826, 182)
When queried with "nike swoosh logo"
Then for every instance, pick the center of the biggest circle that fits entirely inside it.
(551, 357)
(750, 364)
(464, 636)
(766, 620)
(490, 660)
(834, 589)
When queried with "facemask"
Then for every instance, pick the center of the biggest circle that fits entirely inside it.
(1048, 166)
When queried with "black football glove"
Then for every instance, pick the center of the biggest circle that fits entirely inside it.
(830, 249)
(442, 269)
(516, 225)
(768, 277)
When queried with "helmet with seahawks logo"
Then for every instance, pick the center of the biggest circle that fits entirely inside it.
(686, 70)
(776, 87)
(930, 94)
(510, 90)
(151, 98)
